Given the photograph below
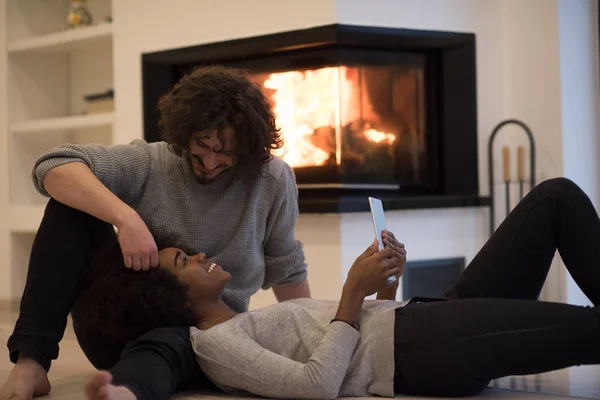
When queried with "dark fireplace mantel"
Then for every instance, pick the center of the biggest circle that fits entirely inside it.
(450, 179)
(357, 202)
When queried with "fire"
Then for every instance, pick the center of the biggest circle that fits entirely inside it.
(312, 100)
(377, 136)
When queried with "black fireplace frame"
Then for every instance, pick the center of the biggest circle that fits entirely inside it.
(452, 55)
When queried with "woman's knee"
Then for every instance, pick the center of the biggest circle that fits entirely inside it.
(559, 187)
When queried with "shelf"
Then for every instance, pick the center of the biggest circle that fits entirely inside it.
(25, 218)
(63, 42)
(63, 123)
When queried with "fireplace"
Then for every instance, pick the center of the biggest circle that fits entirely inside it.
(356, 125)
(364, 111)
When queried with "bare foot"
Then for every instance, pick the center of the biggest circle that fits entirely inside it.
(28, 379)
(99, 387)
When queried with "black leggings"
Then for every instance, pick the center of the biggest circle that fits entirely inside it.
(490, 325)
(154, 366)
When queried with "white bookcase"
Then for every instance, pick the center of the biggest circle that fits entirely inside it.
(49, 70)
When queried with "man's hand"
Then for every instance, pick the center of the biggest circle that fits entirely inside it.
(137, 244)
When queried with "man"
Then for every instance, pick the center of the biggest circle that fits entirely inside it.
(212, 187)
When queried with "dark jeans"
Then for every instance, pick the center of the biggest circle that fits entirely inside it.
(58, 270)
(490, 326)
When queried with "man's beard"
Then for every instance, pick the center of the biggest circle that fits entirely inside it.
(203, 180)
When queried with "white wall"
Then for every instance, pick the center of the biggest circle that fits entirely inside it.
(578, 43)
(151, 25)
(532, 77)
(518, 75)
(5, 270)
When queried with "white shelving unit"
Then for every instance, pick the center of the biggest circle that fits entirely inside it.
(49, 71)
(74, 122)
(25, 219)
(64, 42)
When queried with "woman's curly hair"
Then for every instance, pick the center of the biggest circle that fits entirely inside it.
(120, 304)
(213, 98)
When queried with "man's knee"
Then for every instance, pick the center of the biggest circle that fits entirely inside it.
(55, 207)
(57, 216)
(168, 342)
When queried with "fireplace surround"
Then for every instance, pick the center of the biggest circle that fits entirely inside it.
(364, 111)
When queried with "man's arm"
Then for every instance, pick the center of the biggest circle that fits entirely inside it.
(285, 264)
(94, 179)
(294, 291)
(75, 185)
(123, 169)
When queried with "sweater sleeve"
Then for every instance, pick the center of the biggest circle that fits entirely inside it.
(234, 361)
(284, 256)
(123, 169)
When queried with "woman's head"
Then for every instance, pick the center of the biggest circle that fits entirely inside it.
(203, 279)
(121, 304)
(219, 119)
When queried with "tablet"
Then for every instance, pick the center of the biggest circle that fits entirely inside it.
(379, 224)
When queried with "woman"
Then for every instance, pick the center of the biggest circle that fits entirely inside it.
(488, 325)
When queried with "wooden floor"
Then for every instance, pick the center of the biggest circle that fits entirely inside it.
(68, 373)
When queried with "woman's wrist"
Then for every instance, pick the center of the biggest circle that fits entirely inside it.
(351, 304)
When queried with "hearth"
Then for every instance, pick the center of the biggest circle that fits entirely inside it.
(364, 111)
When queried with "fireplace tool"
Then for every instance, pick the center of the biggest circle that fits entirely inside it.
(507, 179)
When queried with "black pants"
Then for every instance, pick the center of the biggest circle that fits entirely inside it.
(490, 326)
(59, 265)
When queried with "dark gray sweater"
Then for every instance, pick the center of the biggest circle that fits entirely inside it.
(290, 350)
(246, 228)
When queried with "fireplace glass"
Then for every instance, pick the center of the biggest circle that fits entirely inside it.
(352, 125)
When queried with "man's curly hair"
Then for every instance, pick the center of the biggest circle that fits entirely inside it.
(120, 304)
(213, 98)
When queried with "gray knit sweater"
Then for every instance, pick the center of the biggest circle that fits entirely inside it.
(246, 228)
(291, 350)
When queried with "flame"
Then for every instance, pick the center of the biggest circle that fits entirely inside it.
(378, 137)
(304, 101)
